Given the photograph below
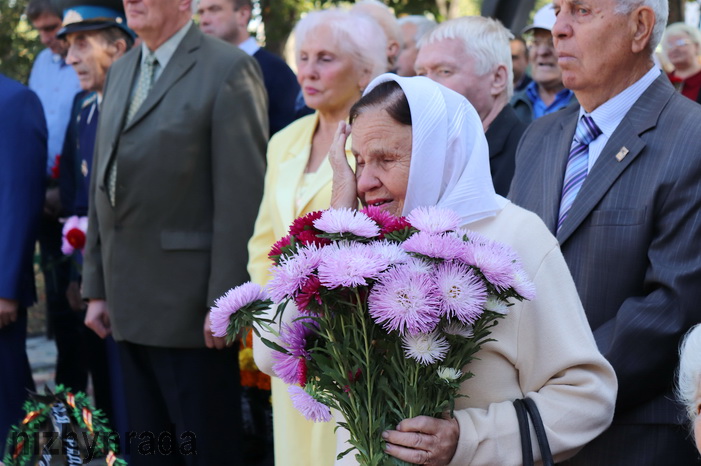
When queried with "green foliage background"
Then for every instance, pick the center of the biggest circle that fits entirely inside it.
(19, 43)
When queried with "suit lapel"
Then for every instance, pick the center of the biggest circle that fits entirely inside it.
(608, 168)
(182, 60)
(118, 95)
(556, 149)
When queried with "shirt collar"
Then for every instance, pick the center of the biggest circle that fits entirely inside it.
(165, 52)
(610, 114)
(250, 46)
(534, 95)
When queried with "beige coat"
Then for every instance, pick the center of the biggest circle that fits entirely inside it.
(544, 349)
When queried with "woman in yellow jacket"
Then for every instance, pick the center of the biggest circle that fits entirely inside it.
(337, 54)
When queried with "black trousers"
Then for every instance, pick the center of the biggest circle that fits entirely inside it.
(639, 445)
(183, 405)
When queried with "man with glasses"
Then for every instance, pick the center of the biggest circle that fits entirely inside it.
(546, 93)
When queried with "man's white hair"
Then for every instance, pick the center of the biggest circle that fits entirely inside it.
(661, 9)
(357, 35)
(689, 374)
(422, 23)
(486, 40)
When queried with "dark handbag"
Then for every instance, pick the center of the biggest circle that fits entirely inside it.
(523, 408)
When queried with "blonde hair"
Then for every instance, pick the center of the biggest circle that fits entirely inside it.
(357, 35)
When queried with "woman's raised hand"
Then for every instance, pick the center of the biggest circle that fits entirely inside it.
(343, 192)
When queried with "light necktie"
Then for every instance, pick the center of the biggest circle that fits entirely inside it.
(577, 165)
(143, 86)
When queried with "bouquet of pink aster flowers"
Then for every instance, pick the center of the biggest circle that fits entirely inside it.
(391, 311)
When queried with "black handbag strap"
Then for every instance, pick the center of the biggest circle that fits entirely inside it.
(543, 444)
(526, 447)
(523, 408)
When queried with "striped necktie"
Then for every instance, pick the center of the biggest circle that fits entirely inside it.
(143, 86)
(577, 164)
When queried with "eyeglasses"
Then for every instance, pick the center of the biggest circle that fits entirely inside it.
(672, 44)
(535, 42)
(49, 29)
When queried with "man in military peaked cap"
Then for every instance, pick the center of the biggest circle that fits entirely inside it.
(97, 35)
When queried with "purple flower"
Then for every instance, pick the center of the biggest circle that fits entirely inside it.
(294, 337)
(306, 404)
(458, 329)
(350, 265)
(433, 219)
(495, 304)
(462, 293)
(495, 260)
(426, 348)
(405, 300)
(233, 301)
(523, 284)
(438, 246)
(390, 252)
(347, 221)
(292, 272)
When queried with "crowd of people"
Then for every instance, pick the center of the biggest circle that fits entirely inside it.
(191, 149)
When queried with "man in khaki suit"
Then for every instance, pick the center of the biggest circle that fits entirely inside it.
(176, 183)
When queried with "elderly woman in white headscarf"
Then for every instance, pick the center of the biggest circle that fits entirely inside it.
(417, 143)
(689, 381)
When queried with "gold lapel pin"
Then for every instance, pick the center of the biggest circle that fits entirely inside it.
(622, 153)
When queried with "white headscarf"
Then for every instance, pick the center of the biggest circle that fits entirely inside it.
(449, 157)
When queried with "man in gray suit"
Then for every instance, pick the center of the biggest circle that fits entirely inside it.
(176, 183)
(618, 182)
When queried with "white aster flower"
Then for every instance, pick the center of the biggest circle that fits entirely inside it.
(495, 304)
(449, 374)
(426, 348)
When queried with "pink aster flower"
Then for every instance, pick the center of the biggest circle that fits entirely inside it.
(292, 272)
(350, 221)
(349, 265)
(229, 304)
(390, 252)
(522, 284)
(306, 404)
(434, 219)
(74, 234)
(426, 348)
(405, 300)
(291, 367)
(462, 294)
(459, 329)
(439, 246)
(495, 260)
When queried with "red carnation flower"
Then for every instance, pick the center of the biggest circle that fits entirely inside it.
(305, 222)
(278, 248)
(308, 237)
(302, 372)
(308, 297)
(76, 238)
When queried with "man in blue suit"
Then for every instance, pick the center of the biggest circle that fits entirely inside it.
(23, 160)
(228, 20)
